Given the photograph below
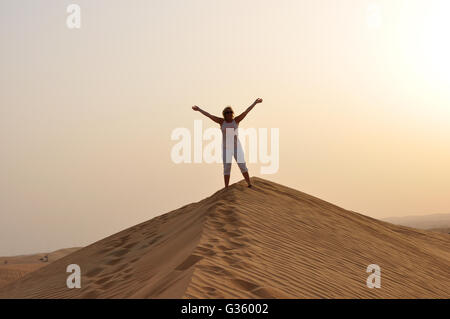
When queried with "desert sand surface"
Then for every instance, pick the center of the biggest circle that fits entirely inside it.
(269, 241)
(15, 267)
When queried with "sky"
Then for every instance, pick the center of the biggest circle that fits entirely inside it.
(358, 90)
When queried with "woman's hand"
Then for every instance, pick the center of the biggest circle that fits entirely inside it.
(241, 116)
(195, 108)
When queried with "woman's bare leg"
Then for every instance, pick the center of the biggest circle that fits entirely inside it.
(226, 179)
(247, 179)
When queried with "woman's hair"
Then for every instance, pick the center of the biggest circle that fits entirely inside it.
(228, 108)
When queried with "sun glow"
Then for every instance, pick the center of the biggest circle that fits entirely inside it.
(436, 44)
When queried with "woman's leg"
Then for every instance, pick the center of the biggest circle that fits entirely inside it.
(242, 166)
(226, 179)
(226, 172)
(247, 178)
(226, 167)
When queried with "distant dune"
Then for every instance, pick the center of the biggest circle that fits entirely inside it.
(269, 241)
(15, 267)
(441, 230)
(436, 222)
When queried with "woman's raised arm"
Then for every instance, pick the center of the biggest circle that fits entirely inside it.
(241, 116)
(212, 117)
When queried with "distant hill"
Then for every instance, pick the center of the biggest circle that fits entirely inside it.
(436, 222)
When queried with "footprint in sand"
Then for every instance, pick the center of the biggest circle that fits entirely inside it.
(189, 262)
(119, 253)
(205, 251)
(114, 261)
(214, 270)
(102, 280)
(129, 246)
(94, 272)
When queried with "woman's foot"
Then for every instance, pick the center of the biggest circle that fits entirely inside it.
(226, 179)
(247, 179)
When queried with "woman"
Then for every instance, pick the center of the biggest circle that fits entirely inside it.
(230, 122)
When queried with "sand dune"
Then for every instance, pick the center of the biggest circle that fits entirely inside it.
(266, 242)
(15, 267)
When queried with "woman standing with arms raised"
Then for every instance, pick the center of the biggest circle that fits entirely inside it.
(228, 121)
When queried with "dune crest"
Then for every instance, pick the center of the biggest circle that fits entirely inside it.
(269, 241)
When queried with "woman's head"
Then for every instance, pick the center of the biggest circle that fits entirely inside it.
(228, 113)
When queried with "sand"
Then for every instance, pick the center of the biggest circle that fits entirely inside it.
(269, 241)
(15, 267)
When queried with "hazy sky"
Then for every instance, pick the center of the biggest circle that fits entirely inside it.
(358, 90)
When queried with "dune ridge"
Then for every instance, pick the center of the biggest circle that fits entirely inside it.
(269, 241)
